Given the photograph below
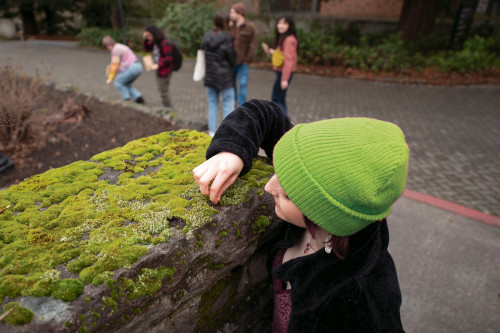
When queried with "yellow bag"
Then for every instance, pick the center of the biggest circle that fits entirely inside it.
(278, 58)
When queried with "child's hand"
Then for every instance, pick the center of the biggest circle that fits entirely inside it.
(154, 67)
(223, 169)
(284, 85)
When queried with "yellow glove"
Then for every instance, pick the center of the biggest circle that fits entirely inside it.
(112, 71)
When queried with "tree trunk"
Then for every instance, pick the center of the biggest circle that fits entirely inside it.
(50, 19)
(115, 19)
(417, 18)
(28, 16)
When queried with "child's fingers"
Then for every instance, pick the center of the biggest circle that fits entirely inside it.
(222, 181)
(205, 179)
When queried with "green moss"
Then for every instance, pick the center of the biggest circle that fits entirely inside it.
(147, 282)
(20, 315)
(216, 266)
(110, 302)
(95, 314)
(199, 243)
(68, 216)
(67, 289)
(224, 290)
(260, 225)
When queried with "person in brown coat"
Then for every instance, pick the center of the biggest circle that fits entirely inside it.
(245, 43)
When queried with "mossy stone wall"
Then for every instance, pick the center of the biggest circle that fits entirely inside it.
(126, 241)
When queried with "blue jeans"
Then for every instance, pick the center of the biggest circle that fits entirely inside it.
(123, 81)
(240, 77)
(213, 105)
(278, 96)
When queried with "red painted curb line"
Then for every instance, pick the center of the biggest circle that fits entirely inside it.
(452, 207)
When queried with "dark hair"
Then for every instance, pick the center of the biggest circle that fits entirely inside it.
(339, 244)
(279, 38)
(220, 19)
(158, 35)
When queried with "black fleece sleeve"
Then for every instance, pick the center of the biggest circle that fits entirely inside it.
(255, 124)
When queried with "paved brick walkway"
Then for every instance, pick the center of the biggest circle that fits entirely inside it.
(453, 132)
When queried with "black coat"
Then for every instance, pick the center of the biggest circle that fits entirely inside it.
(220, 58)
(358, 294)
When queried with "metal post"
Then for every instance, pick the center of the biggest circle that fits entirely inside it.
(122, 21)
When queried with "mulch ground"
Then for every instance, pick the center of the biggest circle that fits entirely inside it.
(91, 128)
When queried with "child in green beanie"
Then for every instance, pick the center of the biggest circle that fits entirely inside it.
(335, 183)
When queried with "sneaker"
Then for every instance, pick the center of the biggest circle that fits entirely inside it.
(139, 100)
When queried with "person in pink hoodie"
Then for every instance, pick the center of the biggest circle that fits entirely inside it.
(284, 58)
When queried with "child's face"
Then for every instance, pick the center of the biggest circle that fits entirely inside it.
(285, 208)
(282, 26)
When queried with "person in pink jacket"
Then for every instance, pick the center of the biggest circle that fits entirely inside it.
(284, 57)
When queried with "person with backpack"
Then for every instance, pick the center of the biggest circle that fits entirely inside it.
(166, 57)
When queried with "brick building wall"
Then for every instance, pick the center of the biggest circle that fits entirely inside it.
(252, 6)
(381, 9)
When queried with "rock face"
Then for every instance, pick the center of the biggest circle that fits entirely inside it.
(126, 243)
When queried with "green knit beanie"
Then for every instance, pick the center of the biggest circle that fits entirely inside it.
(343, 173)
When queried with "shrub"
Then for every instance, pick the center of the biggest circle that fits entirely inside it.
(322, 46)
(92, 37)
(186, 23)
(318, 47)
(473, 57)
(20, 97)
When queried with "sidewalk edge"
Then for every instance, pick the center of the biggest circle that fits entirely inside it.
(453, 208)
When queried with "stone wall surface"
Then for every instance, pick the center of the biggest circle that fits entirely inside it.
(125, 242)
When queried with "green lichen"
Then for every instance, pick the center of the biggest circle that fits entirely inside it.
(20, 315)
(97, 216)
